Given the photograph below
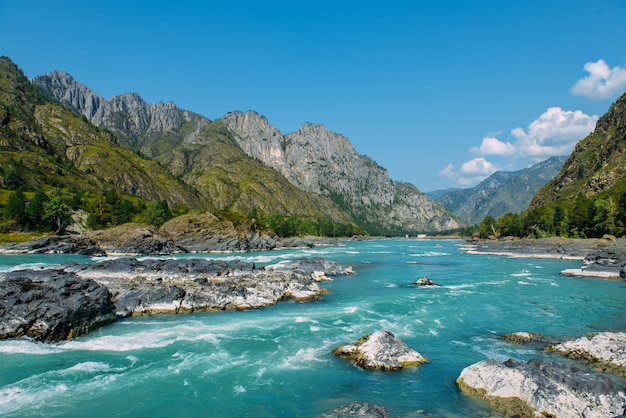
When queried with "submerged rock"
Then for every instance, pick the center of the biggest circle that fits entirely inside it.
(523, 338)
(380, 350)
(539, 388)
(604, 350)
(51, 305)
(356, 409)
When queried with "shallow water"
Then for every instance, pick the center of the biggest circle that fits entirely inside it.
(277, 361)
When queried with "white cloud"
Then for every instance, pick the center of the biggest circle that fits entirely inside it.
(471, 172)
(478, 166)
(448, 172)
(493, 146)
(555, 132)
(602, 82)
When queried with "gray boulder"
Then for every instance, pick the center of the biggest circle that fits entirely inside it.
(539, 388)
(380, 350)
(356, 409)
(51, 305)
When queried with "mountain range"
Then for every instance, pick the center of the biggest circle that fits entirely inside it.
(500, 193)
(239, 163)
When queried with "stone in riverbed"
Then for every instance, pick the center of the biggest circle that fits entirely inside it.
(539, 388)
(51, 305)
(380, 350)
(603, 350)
(356, 409)
(523, 338)
(315, 267)
(424, 281)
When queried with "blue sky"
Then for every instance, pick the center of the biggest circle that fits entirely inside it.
(440, 93)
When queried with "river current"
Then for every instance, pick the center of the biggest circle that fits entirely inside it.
(277, 361)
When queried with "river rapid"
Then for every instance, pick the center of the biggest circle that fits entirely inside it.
(277, 361)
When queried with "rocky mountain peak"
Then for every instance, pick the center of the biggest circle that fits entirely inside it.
(128, 115)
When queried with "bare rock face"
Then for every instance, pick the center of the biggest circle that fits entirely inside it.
(320, 161)
(51, 305)
(604, 350)
(380, 350)
(127, 114)
(539, 388)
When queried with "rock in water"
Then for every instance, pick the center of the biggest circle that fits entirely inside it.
(356, 409)
(424, 281)
(539, 388)
(605, 350)
(380, 350)
(523, 338)
(51, 305)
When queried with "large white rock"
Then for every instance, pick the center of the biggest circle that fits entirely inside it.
(538, 388)
(380, 350)
(605, 350)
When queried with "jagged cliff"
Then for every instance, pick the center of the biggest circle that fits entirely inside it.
(502, 192)
(319, 161)
(242, 162)
(597, 166)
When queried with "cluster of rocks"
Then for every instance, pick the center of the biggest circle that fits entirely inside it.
(65, 302)
(541, 388)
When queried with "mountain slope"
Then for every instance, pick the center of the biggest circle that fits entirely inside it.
(597, 166)
(243, 163)
(51, 146)
(319, 161)
(502, 192)
(194, 149)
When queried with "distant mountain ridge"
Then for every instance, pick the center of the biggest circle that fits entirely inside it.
(502, 192)
(241, 162)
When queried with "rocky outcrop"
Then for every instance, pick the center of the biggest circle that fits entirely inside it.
(380, 350)
(178, 286)
(539, 388)
(63, 303)
(201, 233)
(604, 350)
(319, 161)
(51, 305)
(128, 115)
(356, 409)
(132, 239)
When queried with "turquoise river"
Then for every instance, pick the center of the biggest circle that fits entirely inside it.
(277, 361)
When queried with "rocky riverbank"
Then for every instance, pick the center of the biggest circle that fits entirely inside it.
(603, 258)
(185, 234)
(65, 302)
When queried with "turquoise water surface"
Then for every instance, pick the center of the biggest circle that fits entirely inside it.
(277, 361)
